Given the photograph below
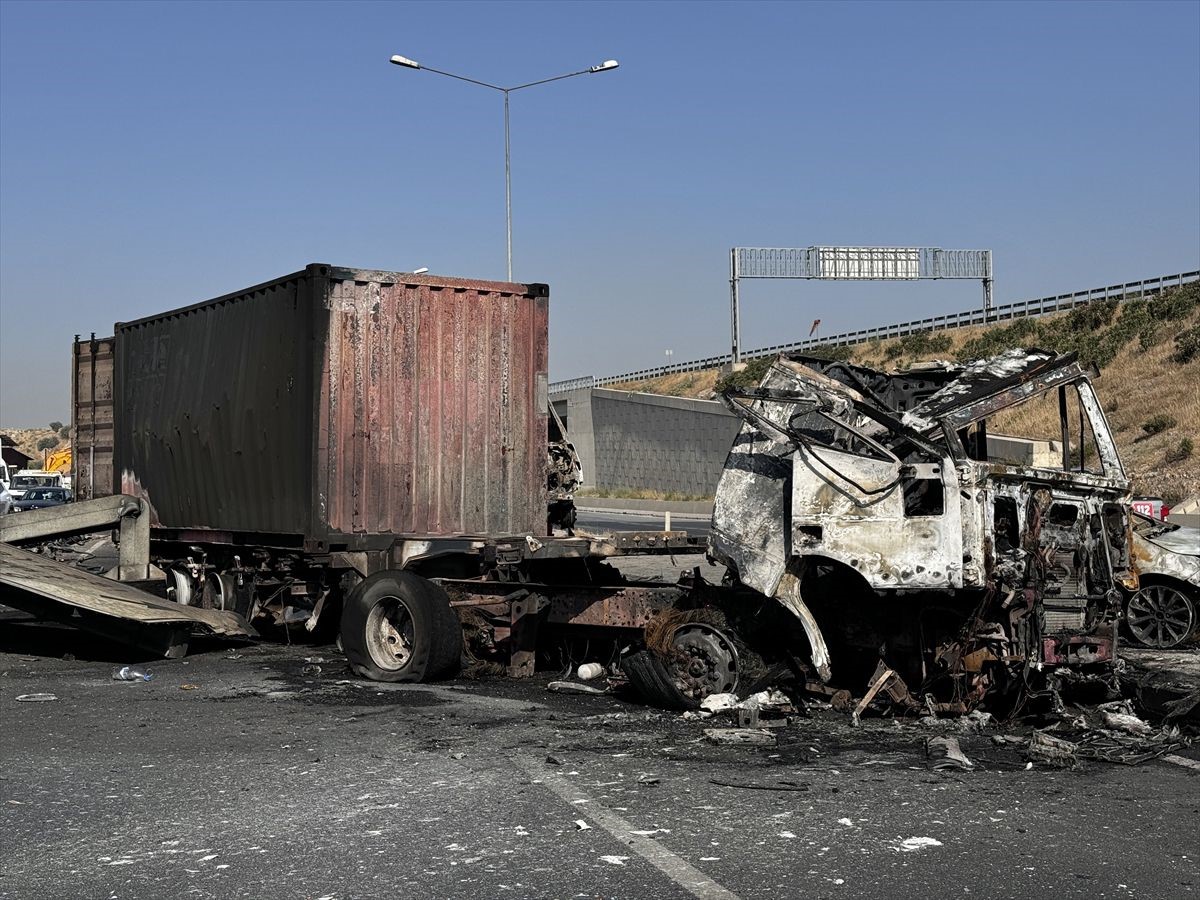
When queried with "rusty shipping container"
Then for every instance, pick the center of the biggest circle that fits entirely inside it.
(336, 407)
(92, 418)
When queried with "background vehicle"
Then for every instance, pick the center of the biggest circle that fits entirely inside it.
(41, 497)
(5, 499)
(33, 478)
(1165, 610)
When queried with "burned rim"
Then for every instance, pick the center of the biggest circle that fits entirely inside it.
(390, 633)
(1161, 616)
(703, 661)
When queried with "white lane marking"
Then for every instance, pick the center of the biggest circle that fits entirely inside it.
(678, 870)
(1182, 761)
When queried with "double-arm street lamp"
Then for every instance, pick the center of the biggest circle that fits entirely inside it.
(605, 66)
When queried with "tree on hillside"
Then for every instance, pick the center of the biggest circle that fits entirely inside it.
(47, 443)
(56, 426)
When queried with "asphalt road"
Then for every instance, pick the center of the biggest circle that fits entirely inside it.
(235, 774)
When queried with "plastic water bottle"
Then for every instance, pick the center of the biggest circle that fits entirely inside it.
(131, 673)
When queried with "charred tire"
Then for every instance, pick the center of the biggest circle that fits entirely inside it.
(397, 626)
(650, 678)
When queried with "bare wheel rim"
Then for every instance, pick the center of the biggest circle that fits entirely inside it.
(1161, 616)
(703, 661)
(390, 633)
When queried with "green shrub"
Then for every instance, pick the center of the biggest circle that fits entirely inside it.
(749, 377)
(1187, 345)
(1175, 304)
(47, 443)
(831, 352)
(1159, 423)
(1182, 452)
(997, 340)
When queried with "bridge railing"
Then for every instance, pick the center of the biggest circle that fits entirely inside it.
(1041, 306)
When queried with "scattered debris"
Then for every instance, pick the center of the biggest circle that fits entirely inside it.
(1051, 751)
(649, 779)
(908, 845)
(615, 860)
(715, 703)
(310, 670)
(976, 720)
(946, 753)
(745, 737)
(571, 687)
(36, 698)
(131, 673)
(189, 687)
(761, 786)
(589, 671)
(581, 825)
(553, 760)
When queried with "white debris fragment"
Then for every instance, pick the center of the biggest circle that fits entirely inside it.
(615, 860)
(588, 671)
(581, 825)
(849, 823)
(717, 702)
(1124, 722)
(908, 845)
(787, 834)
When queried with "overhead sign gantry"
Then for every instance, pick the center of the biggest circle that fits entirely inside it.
(854, 264)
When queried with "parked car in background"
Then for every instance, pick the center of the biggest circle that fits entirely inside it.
(27, 479)
(1163, 612)
(39, 497)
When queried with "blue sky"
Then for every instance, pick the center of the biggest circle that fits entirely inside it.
(156, 154)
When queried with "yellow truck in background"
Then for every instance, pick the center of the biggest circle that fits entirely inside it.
(59, 461)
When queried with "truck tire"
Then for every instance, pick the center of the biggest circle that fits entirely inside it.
(650, 678)
(397, 626)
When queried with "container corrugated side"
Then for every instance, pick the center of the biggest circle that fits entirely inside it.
(92, 418)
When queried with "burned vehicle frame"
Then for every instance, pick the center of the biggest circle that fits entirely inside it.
(914, 551)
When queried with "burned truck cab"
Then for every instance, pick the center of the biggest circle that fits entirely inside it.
(958, 524)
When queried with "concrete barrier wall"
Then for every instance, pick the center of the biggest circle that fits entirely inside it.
(648, 441)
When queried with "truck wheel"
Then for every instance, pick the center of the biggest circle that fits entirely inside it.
(397, 626)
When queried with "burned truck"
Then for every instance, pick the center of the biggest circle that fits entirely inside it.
(372, 454)
(962, 528)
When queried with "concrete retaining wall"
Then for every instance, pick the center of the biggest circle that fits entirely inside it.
(648, 441)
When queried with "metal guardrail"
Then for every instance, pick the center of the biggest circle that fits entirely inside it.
(1042, 306)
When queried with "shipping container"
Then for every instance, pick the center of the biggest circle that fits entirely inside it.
(329, 409)
(92, 418)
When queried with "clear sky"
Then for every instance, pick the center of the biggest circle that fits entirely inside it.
(156, 154)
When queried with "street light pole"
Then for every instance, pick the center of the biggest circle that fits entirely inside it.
(605, 66)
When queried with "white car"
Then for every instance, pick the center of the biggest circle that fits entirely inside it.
(1165, 611)
(5, 499)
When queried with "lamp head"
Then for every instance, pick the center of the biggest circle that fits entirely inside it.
(603, 67)
(409, 63)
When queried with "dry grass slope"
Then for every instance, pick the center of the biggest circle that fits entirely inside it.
(1134, 344)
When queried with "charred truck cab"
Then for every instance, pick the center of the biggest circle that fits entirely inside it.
(964, 528)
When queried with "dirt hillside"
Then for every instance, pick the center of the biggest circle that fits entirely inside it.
(26, 440)
(1148, 352)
